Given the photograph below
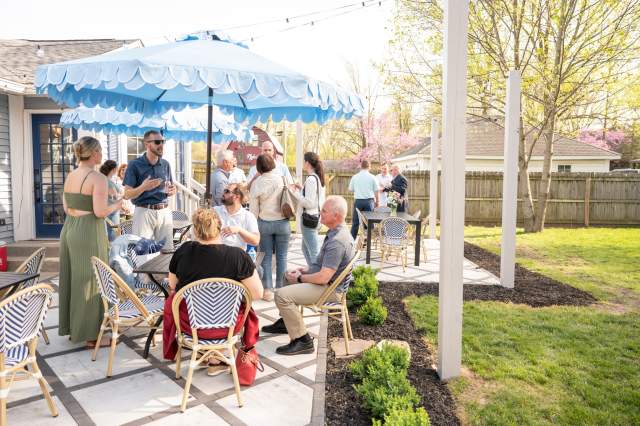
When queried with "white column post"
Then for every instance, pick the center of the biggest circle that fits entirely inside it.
(510, 181)
(433, 179)
(456, 16)
(299, 153)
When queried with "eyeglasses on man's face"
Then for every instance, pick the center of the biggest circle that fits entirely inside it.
(158, 141)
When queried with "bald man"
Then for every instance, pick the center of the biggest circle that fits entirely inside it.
(281, 169)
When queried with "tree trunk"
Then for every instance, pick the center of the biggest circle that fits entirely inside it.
(524, 183)
(545, 181)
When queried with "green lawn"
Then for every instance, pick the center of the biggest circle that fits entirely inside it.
(555, 365)
(603, 261)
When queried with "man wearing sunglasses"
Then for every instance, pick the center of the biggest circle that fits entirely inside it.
(148, 183)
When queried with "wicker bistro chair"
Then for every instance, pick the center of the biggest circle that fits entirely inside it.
(362, 230)
(126, 227)
(122, 308)
(394, 237)
(211, 303)
(335, 309)
(180, 234)
(21, 317)
(116, 227)
(33, 265)
(144, 287)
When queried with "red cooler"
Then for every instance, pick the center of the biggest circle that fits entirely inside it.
(3, 256)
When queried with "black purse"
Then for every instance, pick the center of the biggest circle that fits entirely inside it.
(311, 220)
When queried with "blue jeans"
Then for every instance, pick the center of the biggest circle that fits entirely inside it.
(274, 234)
(115, 218)
(364, 205)
(309, 244)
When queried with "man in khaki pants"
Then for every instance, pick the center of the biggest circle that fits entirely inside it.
(308, 284)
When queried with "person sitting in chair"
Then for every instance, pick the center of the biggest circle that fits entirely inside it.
(306, 285)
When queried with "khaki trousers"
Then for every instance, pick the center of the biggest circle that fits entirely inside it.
(288, 300)
(154, 224)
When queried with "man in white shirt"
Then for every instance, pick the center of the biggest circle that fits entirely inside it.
(237, 174)
(239, 226)
(224, 175)
(281, 169)
(384, 181)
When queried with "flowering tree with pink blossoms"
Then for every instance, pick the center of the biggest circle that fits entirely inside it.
(612, 140)
(384, 139)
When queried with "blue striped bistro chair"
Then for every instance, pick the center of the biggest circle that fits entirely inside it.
(362, 232)
(116, 227)
(336, 309)
(211, 303)
(394, 238)
(180, 234)
(141, 286)
(21, 317)
(123, 309)
(33, 265)
(126, 227)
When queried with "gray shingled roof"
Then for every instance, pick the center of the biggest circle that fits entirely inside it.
(485, 138)
(18, 59)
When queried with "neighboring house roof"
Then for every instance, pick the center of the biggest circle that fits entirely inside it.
(485, 138)
(19, 59)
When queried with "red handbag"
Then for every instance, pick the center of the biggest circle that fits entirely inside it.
(247, 364)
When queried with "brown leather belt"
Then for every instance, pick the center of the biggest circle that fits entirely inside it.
(159, 206)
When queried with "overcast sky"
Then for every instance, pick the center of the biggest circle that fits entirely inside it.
(319, 50)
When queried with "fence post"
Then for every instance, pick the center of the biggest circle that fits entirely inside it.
(587, 200)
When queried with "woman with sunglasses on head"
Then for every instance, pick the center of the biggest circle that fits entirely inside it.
(148, 183)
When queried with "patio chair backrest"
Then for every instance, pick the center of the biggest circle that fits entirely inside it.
(342, 282)
(126, 227)
(22, 315)
(179, 215)
(132, 255)
(214, 303)
(106, 281)
(382, 209)
(32, 265)
(394, 230)
(417, 214)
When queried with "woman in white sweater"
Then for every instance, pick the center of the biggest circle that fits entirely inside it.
(275, 231)
(311, 198)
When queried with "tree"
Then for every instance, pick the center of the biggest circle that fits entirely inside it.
(568, 52)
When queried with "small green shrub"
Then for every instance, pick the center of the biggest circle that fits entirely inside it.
(373, 360)
(373, 311)
(365, 285)
(390, 390)
(364, 270)
(418, 417)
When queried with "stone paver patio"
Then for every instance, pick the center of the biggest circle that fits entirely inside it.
(146, 392)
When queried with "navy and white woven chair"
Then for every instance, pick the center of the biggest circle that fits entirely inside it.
(21, 317)
(180, 233)
(336, 306)
(394, 237)
(115, 227)
(33, 265)
(126, 227)
(141, 286)
(211, 303)
(122, 307)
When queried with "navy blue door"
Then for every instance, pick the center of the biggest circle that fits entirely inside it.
(53, 160)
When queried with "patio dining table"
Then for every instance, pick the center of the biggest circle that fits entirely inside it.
(377, 217)
(12, 280)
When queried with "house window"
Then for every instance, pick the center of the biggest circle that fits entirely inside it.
(564, 168)
(135, 148)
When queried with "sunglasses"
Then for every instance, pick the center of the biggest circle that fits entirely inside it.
(229, 191)
(158, 141)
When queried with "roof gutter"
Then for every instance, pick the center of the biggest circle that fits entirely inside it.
(12, 87)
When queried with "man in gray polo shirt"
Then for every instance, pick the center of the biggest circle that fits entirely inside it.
(308, 284)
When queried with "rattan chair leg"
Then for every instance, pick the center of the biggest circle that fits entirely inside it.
(178, 360)
(187, 386)
(45, 336)
(345, 332)
(112, 349)
(236, 382)
(100, 334)
(346, 313)
(45, 391)
(4, 390)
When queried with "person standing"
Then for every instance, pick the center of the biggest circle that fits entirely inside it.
(280, 169)
(384, 180)
(148, 183)
(115, 192)
(237, 174)
(224, 175)
(275, 230)
(127, 206)
(364, 186)
(83, 235)
(239, 225)
(311, 198)
(399, 184)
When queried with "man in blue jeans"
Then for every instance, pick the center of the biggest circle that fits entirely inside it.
(364, 186)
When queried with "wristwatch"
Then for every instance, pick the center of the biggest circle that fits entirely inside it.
(299, 279)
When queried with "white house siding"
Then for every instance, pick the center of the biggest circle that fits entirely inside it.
(6, 213)
(421, 162)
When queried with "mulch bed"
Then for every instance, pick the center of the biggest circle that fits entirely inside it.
(343, 406)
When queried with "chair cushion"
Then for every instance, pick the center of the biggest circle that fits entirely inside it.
(201, 341)
(153, 303)
(16, 355)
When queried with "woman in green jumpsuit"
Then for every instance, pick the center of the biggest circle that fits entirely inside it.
(83, 235)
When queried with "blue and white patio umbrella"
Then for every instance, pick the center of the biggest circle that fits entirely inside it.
(201, 69)
(184, 126)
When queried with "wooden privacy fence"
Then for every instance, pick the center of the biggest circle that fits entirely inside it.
(575, 198)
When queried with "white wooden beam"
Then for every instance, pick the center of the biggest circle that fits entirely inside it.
(510, 181)
(456, 17)
(433, 179)
(299, 153)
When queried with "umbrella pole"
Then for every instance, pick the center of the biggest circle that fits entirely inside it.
(207, 194)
